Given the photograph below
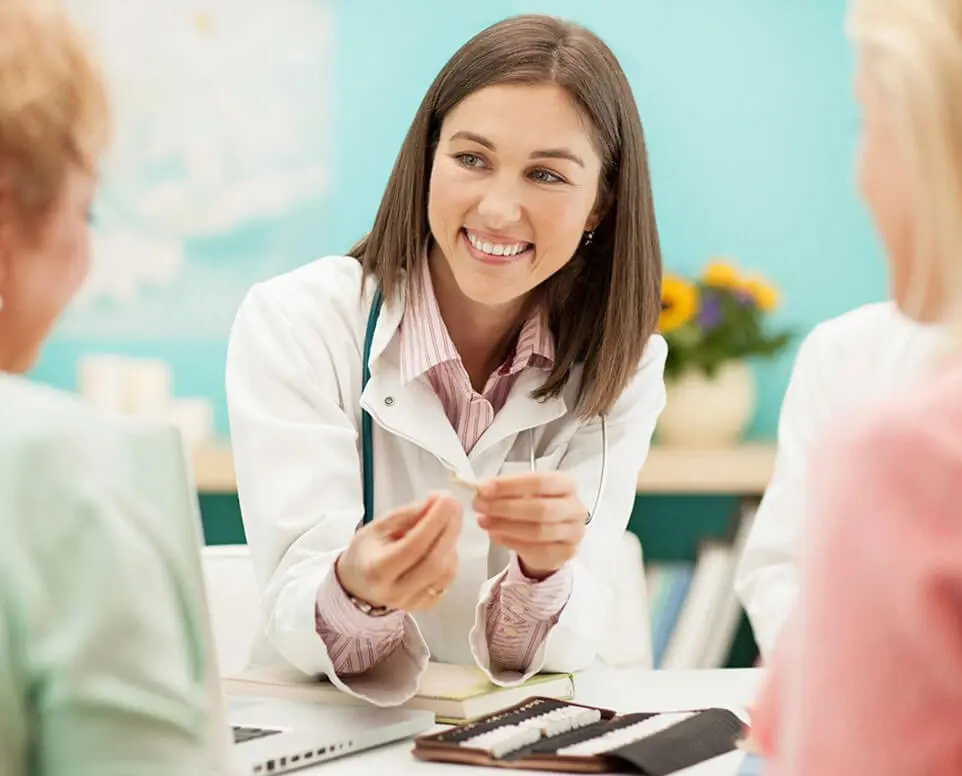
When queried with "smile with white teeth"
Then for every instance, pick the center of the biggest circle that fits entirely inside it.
(497, 249)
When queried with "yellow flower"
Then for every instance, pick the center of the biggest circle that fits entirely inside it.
(765, 295)
(721, 274)
(679, 299)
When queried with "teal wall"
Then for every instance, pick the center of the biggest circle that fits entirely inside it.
(751, 131)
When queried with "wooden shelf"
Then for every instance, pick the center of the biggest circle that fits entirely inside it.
(214, 470)
(742, 470)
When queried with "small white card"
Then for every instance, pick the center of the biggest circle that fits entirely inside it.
(460, 481)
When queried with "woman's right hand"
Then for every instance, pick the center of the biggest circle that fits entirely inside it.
(406, 559)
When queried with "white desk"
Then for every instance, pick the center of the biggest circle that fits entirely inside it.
(620, 690)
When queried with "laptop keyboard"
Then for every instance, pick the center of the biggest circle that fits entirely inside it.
(242, 734)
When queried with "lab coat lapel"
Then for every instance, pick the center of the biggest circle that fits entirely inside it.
(414, 413)
(411, 411)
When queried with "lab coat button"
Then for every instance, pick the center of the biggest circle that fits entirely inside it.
(389, 401)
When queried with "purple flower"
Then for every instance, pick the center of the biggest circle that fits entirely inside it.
(710, 314)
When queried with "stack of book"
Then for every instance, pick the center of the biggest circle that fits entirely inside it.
(454, 693)
(694, 610)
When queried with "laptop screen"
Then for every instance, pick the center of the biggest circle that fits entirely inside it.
(163, 478)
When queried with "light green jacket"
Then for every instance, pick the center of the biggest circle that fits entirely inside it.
(101, 646)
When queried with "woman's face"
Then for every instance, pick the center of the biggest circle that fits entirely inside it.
(886, 184)
(514, 187)
(41, 268)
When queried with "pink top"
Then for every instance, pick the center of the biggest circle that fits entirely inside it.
(867, 677)
(521, 611)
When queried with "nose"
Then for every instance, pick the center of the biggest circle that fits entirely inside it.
(500, 206)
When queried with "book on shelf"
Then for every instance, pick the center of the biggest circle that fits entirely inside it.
(694, 609)
(454, 693)
(668, 585)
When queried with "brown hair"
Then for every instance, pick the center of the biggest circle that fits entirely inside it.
(53, 106)
(604, 304)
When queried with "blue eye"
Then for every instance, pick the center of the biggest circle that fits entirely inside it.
(546, 176)
(472, 161)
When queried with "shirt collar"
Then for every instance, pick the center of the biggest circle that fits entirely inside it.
(425, 342)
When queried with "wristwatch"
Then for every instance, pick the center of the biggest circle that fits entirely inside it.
(365, 607)
(368, 608)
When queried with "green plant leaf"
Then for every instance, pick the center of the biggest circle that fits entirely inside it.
(737, 331)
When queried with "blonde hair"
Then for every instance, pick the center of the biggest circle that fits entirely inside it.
(912, 51)
(53, 104)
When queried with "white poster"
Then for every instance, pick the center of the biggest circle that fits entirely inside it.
(221, 115)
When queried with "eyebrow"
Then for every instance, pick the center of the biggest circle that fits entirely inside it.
(545, 153)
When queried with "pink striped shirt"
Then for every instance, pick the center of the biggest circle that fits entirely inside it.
(521, 611)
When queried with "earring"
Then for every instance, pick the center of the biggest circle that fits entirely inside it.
(589, 236)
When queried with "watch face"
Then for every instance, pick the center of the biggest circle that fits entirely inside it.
(370, 609)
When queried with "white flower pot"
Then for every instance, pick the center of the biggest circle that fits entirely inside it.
(708, 412)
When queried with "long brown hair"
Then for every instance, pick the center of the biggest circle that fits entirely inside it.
(604, 304)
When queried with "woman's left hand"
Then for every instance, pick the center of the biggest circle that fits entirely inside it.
(538, 515)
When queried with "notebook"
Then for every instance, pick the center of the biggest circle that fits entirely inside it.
(453, 693)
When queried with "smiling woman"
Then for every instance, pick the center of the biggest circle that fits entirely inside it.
(507, 213)
(516, 255)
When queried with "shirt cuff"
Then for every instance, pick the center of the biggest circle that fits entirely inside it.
(339, 614)
(541, 599)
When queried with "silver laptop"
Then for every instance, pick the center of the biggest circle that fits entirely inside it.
(257, 735)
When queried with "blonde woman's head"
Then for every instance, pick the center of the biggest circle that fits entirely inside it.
(909, 85)
(53, 128)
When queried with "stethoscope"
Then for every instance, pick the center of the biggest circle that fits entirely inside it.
(604, 465)
(367, 457)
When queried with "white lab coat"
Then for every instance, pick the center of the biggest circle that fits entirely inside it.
(293, 393)
(842, 365)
